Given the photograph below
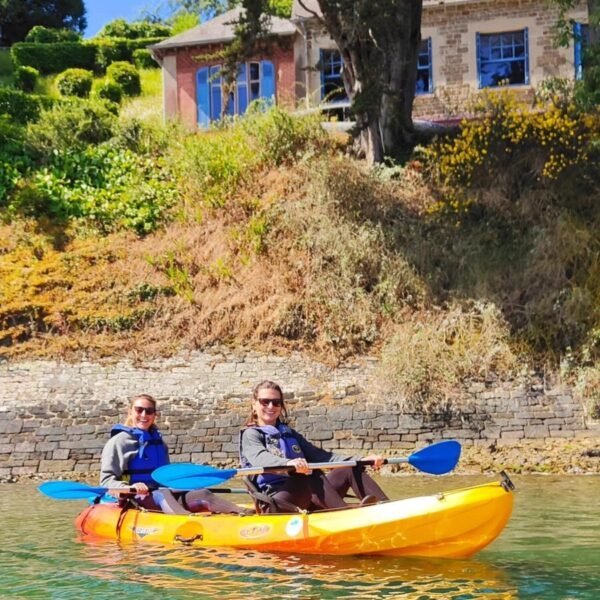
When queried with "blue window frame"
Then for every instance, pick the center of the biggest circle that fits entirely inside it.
(424, 70)
(254, 80)
(503, 58)
(581, 34)
(332, 84)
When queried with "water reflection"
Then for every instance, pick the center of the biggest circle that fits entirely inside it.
(236, 574)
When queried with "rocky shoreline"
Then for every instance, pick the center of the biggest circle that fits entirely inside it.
(557, 457)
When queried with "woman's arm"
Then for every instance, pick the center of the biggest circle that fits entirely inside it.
(115, 458)
(255, 451)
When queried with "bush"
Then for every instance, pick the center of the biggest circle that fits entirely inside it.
(18, 105)
(143, 59)
(54, 58)
(127, 76)
(101, 187)
(71, 123)
(120, 28)
(111, 91)
(26, 78)
(45, 35)
(110, 50)
(75, 82)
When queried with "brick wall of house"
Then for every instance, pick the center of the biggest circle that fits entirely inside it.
(190, 59)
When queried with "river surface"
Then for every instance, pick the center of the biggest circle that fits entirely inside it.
(550, 549)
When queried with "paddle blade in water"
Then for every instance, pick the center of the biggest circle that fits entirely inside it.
(436, 459)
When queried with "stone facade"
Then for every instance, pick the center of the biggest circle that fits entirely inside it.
(55, 416)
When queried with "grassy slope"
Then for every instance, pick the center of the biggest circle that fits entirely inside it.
(311, 252)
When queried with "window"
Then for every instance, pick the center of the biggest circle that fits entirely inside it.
(254, 80)
(502, 58)
(424, 79)
(332, 84)
(581, 33)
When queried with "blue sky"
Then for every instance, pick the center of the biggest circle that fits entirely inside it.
(100, 12)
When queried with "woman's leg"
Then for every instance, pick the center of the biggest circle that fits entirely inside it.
(356, 479)
(205, 501)
(294, 494)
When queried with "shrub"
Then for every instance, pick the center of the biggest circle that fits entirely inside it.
(427, 360)
(26, 78)
(45, 35)
(143, 59)
(127, 76)
(100, 187)
(110, 50)
(75, 82)
(511, 146)
(54, 58)
(18, 105)
(111, 91)
(71, 123)
(120, 28)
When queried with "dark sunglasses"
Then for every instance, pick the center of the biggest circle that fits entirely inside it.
(267, 401)
(148, 410)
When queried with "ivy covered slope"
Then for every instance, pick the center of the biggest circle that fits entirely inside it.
(477, 258)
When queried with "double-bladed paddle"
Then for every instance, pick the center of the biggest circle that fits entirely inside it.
(436, 459)
(72, 490)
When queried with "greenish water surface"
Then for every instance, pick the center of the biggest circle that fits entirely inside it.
(550, 549)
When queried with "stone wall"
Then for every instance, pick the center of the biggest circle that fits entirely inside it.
(55, 416)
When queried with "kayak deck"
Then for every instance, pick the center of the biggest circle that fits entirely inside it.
(453, 524)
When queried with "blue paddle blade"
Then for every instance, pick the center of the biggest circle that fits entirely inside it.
(70, 490)
(436, 459)
(188, 476)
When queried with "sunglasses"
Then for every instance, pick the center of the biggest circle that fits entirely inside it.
(148, 410)
(266, 401)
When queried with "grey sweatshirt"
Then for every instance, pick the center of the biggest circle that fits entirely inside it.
(253, 448)
(115, 457)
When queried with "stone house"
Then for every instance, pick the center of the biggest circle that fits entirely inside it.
(467, 45)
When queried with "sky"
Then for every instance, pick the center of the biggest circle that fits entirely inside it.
(101, 12)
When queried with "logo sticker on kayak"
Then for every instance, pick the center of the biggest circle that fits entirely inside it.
(142, 532)
(255, 531)
(294, 527)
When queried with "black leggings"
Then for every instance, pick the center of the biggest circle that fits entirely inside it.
(318, 491)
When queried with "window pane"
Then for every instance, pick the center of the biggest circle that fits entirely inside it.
(502, 58)
(254, 71)
(254, 91)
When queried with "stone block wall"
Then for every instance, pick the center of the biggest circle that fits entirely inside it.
(55, 416)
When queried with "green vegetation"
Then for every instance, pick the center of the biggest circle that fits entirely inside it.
(476, 259)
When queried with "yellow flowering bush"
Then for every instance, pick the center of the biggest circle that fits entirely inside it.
(509, 144)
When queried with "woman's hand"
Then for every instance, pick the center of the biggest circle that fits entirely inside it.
(378, 461)
(300, 465)
(140, 488)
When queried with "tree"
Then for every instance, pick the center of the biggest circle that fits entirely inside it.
(17, 17)
(379, 42)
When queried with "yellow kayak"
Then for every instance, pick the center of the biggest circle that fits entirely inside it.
(453, 524)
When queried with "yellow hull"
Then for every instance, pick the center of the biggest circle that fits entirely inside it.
(454, 524)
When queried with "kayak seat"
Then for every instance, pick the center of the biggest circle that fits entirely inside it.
(167, 502)
(263, 501)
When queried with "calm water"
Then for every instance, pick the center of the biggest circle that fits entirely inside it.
(551, 549)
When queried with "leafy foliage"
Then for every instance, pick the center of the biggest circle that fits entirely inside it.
(120, 28)
(46, 35)
(110, 90)
(18, 105)
(127, 76)
(74, 82)
(26, 78)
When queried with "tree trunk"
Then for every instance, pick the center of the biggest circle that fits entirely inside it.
(379, 43)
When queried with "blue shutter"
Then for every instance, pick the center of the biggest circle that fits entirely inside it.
(203, 97)
(215, 92)
(526, 43)
(242, 89)
(477, 45)
(267, 81)
(430, 56)
(578, 58)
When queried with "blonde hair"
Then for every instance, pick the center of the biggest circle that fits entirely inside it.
(129, 420)
(252, 421)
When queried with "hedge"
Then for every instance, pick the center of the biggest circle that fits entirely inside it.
(112, 50)
(18, 105)
(55, 58)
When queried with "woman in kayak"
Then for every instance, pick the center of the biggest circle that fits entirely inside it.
(134, 450)
(266, 441)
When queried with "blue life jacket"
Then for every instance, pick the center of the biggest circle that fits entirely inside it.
(152, 453)
(280, 441)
